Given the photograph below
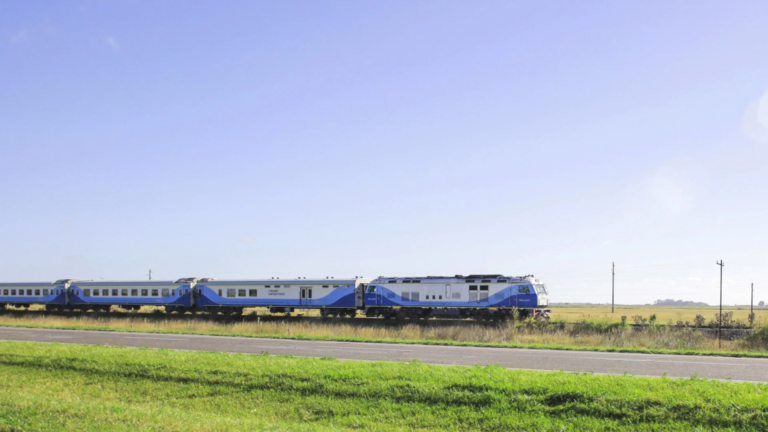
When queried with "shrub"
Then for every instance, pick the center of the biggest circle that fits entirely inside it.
(652, 319)
(639, 319)
(757, 340)
(699, 321)
(623, 320)
(727, 319)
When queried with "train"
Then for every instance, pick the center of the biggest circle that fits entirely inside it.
(478, 296)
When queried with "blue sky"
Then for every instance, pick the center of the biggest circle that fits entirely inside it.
(251, 139)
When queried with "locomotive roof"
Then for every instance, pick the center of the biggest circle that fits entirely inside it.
(473, 276)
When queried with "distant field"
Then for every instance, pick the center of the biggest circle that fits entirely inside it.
(664, 314)
(51, 387)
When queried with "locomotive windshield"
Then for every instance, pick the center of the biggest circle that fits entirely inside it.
(540, 288)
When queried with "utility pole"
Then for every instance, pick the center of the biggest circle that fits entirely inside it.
(720, 324)
(613, 285)
(150, 274)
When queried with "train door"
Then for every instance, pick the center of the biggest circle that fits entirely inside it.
(306, 296)
(513, 296)
(448, 292)
(359, 293)
(525, 298)
(371, 296)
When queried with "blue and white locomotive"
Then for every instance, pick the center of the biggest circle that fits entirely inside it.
(474, 296)
(478, 296)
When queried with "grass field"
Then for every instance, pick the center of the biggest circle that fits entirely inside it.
(664, 314)
(73, 387)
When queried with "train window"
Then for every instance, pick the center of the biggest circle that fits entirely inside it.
(406, 296)
(13, 292)
(441, 297)
(37, 292)
(414, 296)
(485, 281)
(392, 281)
(337, 286)
(231, 292)
(45, 292)
(309, 293)
(166, 292)
(125, 293)
(406, 281)
(5, 292)
(155, 293)
(502, 280)
(115, 292)
(415, 281)
(219, 293)
(371, 288)
(469, 281)
(241, 293)
(523, 289)
(134, 293)
(473, 287)
(325, 286)
(105, 292)
(95, 293)
(252, 293)
(483, 287)
(29, 292)
(266, 286)
(87, 292)
(144, 292)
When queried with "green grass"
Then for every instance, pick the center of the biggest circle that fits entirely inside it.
(75, 387)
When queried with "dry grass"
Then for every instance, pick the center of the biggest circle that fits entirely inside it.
(664, 314)
(596, 334)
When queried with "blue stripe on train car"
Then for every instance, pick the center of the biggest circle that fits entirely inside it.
(341, 297)
(185, 299)
(57, 296)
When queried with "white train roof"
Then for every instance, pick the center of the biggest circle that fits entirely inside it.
(456, 278)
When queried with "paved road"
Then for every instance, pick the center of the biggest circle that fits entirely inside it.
(725, 368)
